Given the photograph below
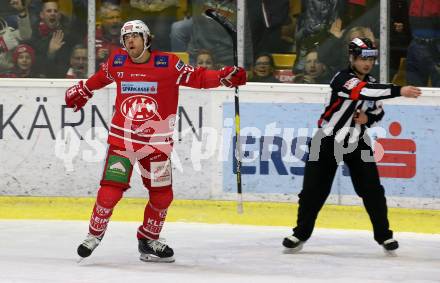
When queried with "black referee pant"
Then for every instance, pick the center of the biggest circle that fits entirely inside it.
(317, 184)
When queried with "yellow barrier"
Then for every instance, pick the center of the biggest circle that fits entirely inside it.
(256, 213)
(400, 76)
(183, 56)
(283, 61)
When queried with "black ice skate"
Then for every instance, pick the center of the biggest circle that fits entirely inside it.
(390, 246)
(88, 245)
(155, 251)
(292, 244)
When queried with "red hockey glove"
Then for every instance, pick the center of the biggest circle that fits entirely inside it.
(77, 96)
(232, 76)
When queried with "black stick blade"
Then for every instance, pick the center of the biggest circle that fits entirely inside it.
(223, 21)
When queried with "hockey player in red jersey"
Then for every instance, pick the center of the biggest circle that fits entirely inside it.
(141, 130)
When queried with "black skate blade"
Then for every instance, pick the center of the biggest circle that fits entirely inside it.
(80, 260)
(290, 248)
(293, 250)
(153, 258)
(390, 253)
(82, 254)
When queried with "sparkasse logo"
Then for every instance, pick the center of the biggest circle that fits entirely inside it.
(139, 87)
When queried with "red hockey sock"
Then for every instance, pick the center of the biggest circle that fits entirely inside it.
(106, 200)
(155, 214)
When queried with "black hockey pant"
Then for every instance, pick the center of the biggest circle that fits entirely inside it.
(317, 184)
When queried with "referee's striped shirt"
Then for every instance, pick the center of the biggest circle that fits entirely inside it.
(349, 94)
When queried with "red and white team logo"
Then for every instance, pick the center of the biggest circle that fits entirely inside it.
(139, 108)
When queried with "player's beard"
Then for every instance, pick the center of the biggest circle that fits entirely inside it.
(134, 53)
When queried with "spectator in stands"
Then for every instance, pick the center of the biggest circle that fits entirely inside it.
(23, 59)
(314, 22)
(208, 34)
(263, 68)
(14, 11)
(78, 63)
(21, 18)
(6, 8)
(423, 56)
(107, 34)
(400, 35)
(180, 33)
(10, 37)
(205, 59)
(52, 41)
(353, 9)
(158, 15)
(267, 19)
(361, 13)
(80, 18)
(333, 51)
(315, 72)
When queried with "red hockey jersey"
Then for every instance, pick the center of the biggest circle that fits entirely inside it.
(147, 97)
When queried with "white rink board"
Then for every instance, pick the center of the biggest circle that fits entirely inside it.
(33, 154)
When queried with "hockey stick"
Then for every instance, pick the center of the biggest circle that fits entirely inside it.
(231, 30)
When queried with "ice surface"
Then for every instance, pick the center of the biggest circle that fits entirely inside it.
(45, 251)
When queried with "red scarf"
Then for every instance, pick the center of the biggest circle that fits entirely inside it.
(358, 2)
(45, 30)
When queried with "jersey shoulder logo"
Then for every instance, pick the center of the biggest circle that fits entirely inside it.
(180, 65)
(351, 83)
(119, 60)
(161, 61)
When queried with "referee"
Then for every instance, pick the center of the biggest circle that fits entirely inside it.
(354, 106)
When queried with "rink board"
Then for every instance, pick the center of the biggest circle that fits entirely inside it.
(43, 155)
(278, 165)
(218, 212)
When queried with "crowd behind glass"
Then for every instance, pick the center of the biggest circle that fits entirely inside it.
(295, 41)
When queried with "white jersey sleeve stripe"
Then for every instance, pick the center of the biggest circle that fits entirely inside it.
(369, 92)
